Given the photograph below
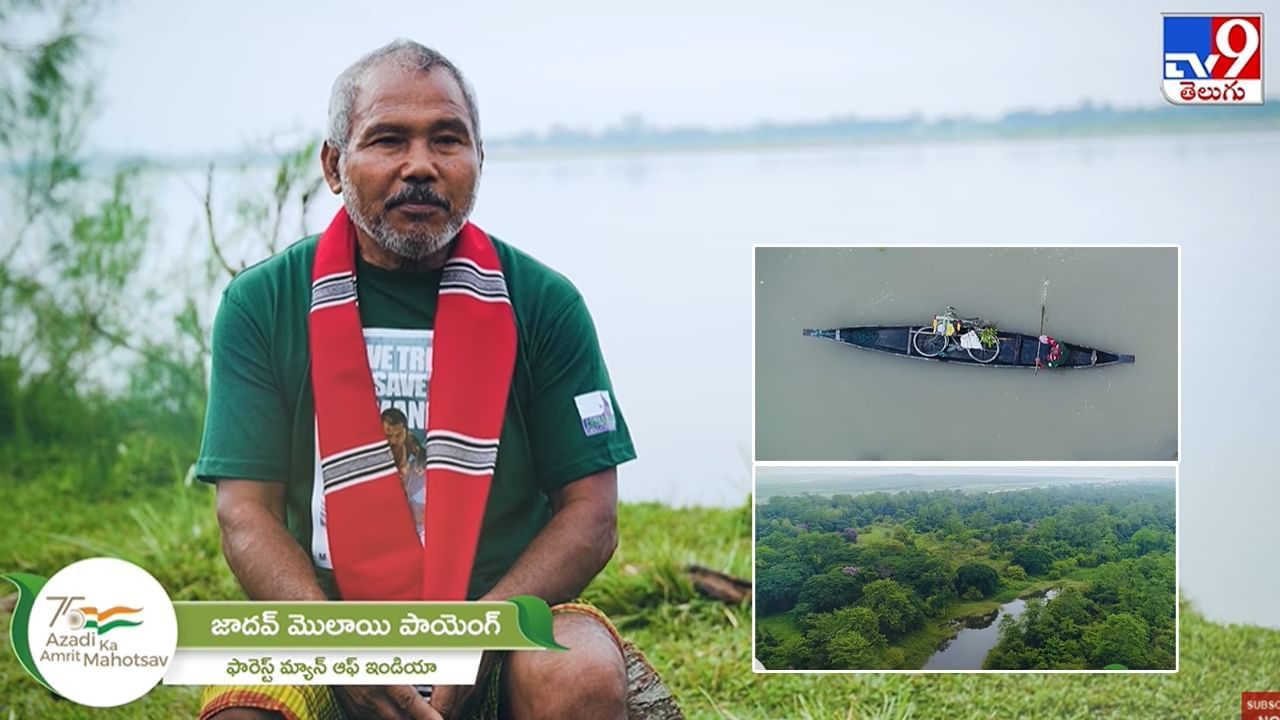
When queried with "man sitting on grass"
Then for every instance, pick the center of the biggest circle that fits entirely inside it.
(492, 359)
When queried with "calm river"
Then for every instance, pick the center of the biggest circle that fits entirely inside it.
(821, 400)
(969, 648)
(661, 247)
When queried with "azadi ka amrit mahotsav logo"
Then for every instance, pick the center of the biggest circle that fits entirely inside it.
(100, 632)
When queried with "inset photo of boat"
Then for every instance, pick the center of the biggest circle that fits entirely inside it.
(971, 568)
(964, 353)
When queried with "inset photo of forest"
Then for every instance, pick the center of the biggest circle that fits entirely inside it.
(966, 568)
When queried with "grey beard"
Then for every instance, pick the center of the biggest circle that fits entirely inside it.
(410, 245)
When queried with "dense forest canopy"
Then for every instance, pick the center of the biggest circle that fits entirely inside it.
(867, 578)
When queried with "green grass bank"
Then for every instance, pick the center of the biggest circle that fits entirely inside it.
(701, 648)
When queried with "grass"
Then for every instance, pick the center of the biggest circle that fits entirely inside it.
(701, 648)
(781, 626)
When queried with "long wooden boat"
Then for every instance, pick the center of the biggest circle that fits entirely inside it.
(1014, 349)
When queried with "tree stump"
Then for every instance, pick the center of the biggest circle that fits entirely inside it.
(647, 697)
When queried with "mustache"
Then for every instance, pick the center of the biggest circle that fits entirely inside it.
(419, 195)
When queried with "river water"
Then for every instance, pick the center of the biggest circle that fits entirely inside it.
(661, 247)
(969, 648)
(821, 400)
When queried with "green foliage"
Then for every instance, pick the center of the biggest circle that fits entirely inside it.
(778, 586)
(846, 638)
(103, 339)
(831, 590)
(1124, 616)
(979, 577)
(91, 403)
(1033, 559)
(895, 607)
(917, 584)
(852, 649)
(1149, 540)
(1121, 638)
(989, 336)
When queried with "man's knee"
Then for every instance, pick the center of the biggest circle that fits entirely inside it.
(589, 680)
(236, 713)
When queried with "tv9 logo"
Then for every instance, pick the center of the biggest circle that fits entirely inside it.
(1213, 59)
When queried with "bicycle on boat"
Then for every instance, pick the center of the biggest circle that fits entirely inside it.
(948, 332)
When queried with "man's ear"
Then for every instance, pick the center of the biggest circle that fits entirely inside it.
(329, 157)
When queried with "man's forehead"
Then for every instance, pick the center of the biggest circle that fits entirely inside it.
(392, 87)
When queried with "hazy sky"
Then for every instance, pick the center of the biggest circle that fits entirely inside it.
(194, 77)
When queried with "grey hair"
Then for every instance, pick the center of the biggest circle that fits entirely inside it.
(407, 55)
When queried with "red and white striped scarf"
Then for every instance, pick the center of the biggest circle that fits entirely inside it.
(373, 542)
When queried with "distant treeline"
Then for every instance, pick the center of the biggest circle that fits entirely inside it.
(635, 133)
(859, 574)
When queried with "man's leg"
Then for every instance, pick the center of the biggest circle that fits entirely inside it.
(587, 681)
(269, 702)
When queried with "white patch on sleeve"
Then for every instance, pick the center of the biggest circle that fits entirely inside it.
(319, 528)
(595, 409)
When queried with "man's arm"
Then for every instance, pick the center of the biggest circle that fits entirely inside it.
(573, 547)
(265, 558)
(563, 557)
(271, 565)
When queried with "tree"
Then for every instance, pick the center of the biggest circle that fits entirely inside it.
(778, 586)
(938, 514)
(1068, 612)
(861, 641)
(894, 606)
(1149, 540)
(830, 590)
(822, 627)
(1122, 638)
(980, 520)
(1033, 559)
(89, 359)
(977, 576)
(793, 652)
(851, 650)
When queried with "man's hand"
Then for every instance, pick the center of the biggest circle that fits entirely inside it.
(463, 700)
(575, 545)
(374, 702)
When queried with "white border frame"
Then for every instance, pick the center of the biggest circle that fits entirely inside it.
(756, 464)
(1177, 575)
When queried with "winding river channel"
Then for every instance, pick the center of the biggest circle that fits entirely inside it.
(969, 648)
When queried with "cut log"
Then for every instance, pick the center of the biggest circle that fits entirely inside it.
(647, 697)
(719, 586)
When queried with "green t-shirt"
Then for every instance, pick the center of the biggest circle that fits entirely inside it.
(561, 424)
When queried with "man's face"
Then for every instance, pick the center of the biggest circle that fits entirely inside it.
(412, 163)
(395, 434)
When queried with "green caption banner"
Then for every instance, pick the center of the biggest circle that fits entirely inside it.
(521, 623)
